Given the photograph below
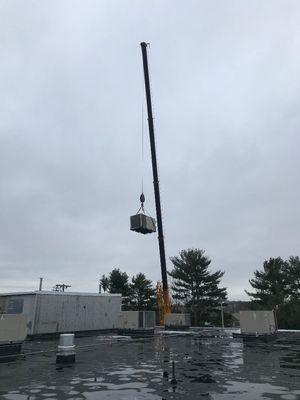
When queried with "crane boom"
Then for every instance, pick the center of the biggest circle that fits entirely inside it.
(166, 298)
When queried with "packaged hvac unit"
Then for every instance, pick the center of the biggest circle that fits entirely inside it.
(177, 321)
(142, 223)
(13, 328)
(137, 320)
(62, 312)
(257, 322)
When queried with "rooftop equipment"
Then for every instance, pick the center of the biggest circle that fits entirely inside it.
(137, 323)
(13, 331)
(141, 222)
(52, 312)
(66, 349)
(257, 325)
(177, 322)
(257, 322)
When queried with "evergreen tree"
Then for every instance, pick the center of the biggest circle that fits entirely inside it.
(292, 272)
(194, 285)
(270, 284)
(118, 282)
(142, 293)
(277, 287)
(104, 283)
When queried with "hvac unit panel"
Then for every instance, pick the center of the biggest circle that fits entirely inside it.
(137, 320)
(142, 223)
(257, 322)
(65, 313)
(178, 320)
(13, 328)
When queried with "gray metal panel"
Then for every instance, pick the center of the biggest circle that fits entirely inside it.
(59, 313)
(28, 301)
(257, 321)
(129, 320)
(135, 221)
(149, 223)
(50, 312)
(141, 319)
(177, 319)
(2, 305)
(137, 319)
(12, 328)
(149, 319)
(15, 305)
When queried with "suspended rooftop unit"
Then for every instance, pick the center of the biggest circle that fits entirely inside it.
(141, 222)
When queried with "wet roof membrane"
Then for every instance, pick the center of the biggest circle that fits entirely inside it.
(209, 365)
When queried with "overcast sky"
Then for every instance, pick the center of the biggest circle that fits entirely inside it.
(225, 84)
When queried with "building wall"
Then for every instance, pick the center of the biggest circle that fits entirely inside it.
(74, 313)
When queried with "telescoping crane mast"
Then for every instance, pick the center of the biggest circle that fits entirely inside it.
(166, 307)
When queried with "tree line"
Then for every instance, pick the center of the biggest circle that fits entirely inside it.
(138, 294)
(196, 289)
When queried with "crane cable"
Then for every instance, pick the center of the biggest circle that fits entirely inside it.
(142, 144)
(142, 196)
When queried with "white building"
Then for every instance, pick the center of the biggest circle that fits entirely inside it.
(57, 312)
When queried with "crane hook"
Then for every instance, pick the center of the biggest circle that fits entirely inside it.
(142, 200)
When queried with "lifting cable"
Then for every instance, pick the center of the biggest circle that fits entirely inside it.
(142, 144)
(142, 196)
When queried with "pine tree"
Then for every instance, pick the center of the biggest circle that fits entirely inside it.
(117, 282)
(104, 283)
(270, 284)
(277, 287)
(142, 293)
(292, 272)
(194, 285)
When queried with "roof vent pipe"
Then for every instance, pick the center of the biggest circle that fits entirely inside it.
(41, 284)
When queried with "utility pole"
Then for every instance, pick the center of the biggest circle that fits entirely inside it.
(222, 314)
(167, 308)
(60, 287)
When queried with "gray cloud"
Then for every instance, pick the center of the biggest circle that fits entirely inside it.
(226, 100)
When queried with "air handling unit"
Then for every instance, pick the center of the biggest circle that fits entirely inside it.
(142, 223)
(137, 323)
(62, 312)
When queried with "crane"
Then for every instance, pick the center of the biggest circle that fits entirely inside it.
(164, 306)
